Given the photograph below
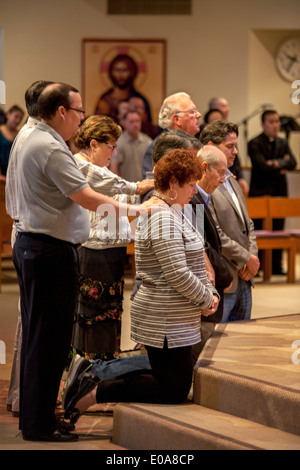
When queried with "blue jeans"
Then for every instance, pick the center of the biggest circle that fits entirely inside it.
(116, 367)
(238, 306)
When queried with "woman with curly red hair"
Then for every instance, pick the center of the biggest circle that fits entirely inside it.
(175, 292)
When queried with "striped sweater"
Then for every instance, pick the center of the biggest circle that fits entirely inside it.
(175, 288)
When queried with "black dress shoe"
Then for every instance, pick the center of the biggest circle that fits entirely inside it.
(56, 436)
(63, 426)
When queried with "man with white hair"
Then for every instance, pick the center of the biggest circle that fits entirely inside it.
(178, 111)
(214, 168)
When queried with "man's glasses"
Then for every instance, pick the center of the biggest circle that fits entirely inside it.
(189, 111)
(80, 111)
(223, 176)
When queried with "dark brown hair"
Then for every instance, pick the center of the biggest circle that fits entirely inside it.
(217, 131)
(52, 97)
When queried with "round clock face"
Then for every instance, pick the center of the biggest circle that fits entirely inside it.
(288, 59)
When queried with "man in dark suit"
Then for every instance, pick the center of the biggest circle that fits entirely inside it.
(214, 167)
(271, 158)
(235, 228)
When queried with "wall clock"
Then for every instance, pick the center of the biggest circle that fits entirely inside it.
(287, 59)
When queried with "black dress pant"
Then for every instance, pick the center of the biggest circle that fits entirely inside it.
(47, 270)
(168, 381)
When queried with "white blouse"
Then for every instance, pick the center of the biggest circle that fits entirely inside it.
(108, 231)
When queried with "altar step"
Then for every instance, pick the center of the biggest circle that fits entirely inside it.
(250, 369)
(246, 395)
(192, 427)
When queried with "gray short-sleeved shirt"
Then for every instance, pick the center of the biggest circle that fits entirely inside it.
(47, 175)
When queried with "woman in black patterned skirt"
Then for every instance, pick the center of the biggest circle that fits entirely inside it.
(97, 328)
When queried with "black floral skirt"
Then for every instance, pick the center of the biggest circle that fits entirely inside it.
(97, 323)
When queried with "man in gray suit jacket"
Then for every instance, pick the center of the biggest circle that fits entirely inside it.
(235, 228)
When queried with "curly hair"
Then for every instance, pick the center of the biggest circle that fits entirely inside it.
(217, 131)
(179, 165)
(101, 128)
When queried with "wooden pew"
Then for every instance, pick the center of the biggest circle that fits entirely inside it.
(284, 207)
(268, 208)
(258, 208)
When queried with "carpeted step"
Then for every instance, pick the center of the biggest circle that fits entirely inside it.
(192, 427)
(250, 369)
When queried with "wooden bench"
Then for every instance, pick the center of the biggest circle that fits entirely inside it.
(285, 208)
(267, 209)
(5, 229)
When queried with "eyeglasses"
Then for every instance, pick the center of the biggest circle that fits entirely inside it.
(189, 111)
(223, 176)
(111, 146)
(81, 111)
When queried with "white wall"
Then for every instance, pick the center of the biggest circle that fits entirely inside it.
(219, 50)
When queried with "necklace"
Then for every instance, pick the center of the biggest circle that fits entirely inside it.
(160, 196)
(83, 156)
(181, 215)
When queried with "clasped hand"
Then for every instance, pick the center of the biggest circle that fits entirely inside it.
(250, 269)
(213, 308)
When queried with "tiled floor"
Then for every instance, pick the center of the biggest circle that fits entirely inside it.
(95, 428)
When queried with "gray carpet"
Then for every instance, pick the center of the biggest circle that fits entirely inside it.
(246, 369)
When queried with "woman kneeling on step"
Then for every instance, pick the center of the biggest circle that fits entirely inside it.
(175, 292)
